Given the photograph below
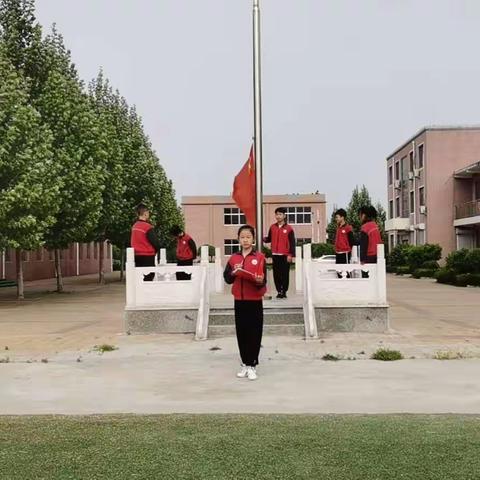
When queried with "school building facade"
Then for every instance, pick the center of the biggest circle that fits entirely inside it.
(78, 259)
(214, 220)
(433, 184)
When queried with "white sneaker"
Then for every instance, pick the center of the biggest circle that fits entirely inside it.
(243, 372)
(252, 373)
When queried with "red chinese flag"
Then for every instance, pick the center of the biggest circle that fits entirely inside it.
(244, 190)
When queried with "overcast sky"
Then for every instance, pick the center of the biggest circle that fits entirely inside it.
(344, 82)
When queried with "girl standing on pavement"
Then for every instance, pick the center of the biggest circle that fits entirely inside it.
(246, 270)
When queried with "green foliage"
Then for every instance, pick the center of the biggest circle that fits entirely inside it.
(267, 251)
(387, 355)
(29, 182)
(423, 273)
(403, 270)
(398, 257)
(462, 280)
(457, 261)
(431, 265)
(320, 249)
(104, 347)
(419, 255)
(332, 227)
(474, 279)
(473, 260)
(445, 275)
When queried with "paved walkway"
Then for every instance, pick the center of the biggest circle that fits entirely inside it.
(172, 373)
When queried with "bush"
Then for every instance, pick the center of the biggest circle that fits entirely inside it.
(320, 249)
(457, 261)
(267, 252)
(386, 355)
(423, 273)
(430, 265)
(398, 256)
(405, 270)
(117, 265)
(419, 255)
(474, 279)
(462, 280)
(473, 260)
(391, 269)
(445, 275)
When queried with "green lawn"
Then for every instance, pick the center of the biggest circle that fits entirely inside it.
(240, 447)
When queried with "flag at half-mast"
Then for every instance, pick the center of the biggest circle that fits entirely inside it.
(244, 189)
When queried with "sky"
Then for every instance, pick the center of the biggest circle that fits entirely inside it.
(345, 82)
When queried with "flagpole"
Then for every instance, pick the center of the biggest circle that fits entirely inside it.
(257, 95)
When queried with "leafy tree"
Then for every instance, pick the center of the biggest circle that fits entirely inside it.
(29, 180)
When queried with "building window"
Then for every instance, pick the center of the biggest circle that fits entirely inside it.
(233, 216)
(8, 255)
(412, 202)
(25, 256)
(390, 209)
(420, 156)
(397, 207)
(412, 163)
(231, 246)
(303, 241)
(421, 195)
(390, 175)
(397, 171)
(299, 215)
(39, 254)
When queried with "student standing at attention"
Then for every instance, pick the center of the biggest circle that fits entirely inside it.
(281, 238)
(144, 241)
(246, 270)
(186, 251)
(370, 236)
(344, 239)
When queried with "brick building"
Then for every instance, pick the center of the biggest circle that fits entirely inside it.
(434, 189)
(214, 220)
(78, 259)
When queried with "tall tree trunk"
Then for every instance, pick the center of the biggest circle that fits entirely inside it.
(122, 264)
(58, 271)
(101, 263)
(20, 286)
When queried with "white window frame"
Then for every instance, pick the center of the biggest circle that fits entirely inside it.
(238, 215)
(233, 244)
(296, 213)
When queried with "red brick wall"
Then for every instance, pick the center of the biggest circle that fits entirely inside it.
(40, 264)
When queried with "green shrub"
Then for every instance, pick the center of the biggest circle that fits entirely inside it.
(398, 256)
(430, 265)
(391, 269)
(329, 357)
(462, 279)
(457, 261)
(423, 273)
(267, 252)
(117, 265)
(320, 249)
(403, 270)
(419, 255)
(445, 275)
(386, 355)
(474, 279)
(473, 260)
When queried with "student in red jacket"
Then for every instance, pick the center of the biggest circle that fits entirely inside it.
(344, 239)
(186, 250)
(144, 241)
(370, 236)
(247, 271)
(281, 238)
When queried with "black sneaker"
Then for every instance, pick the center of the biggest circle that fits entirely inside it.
(280, 295)
(284, 295)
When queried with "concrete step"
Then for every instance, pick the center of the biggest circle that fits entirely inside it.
(284, 316)
(216, 331)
